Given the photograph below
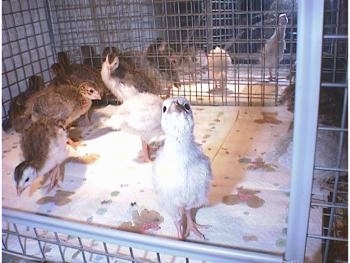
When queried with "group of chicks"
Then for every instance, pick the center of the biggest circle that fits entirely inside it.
(43, 115)
(181, 171)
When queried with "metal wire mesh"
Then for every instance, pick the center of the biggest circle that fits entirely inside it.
(26, 47)
(333, 105)
(47, 237)
(34, 33)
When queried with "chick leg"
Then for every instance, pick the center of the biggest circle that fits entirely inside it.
(179, 223)
(146, 151)
(192, 226)
(73, 144)
(180, 229)
(55, 177)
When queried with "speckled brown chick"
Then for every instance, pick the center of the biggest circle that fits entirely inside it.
(65, 102)
(44, 149)
(77, 73)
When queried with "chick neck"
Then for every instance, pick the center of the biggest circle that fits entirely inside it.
(181, 141)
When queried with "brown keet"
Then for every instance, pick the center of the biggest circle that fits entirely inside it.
(65, 103)
(78, 73)
(18, 118)
(44, 149)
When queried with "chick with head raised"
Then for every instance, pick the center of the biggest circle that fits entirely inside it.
(181, 171)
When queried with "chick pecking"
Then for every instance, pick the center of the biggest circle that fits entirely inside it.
(44, 148)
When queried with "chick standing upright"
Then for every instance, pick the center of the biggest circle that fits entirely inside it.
(218, 63)
(181, 171)
(272, 52)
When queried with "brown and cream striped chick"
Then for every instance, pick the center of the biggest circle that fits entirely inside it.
(44, 148)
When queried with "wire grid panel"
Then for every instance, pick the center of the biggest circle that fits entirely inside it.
(331, 164)
(101, 24)
(46, 238)
(37, 243)
(26, 47)
(190, 28)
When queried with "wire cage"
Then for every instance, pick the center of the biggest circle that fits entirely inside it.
(34, 33)
(244, 33)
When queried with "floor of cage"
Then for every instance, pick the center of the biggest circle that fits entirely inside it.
(248, 202)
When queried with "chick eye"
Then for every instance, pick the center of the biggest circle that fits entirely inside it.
(26, 180)
(164, 109)
(187, 106)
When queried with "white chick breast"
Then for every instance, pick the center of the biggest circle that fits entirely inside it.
(58, 152)
(181, 171)
(140, 115)
(181, 177)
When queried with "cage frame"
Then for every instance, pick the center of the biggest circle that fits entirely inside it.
(309, 51)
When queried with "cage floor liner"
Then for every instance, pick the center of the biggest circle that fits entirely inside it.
(248, 202)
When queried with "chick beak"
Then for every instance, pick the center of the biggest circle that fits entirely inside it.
(179, 107)
(97, 96)
(20, 190)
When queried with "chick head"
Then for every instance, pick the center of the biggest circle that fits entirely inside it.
(282, 20)
(25, 174)
(177, 117)
(112, 61)
(88, 90)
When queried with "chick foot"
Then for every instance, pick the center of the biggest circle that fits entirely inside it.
(180, 229)
(191, 226)
(55, 176)
(146, 152)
